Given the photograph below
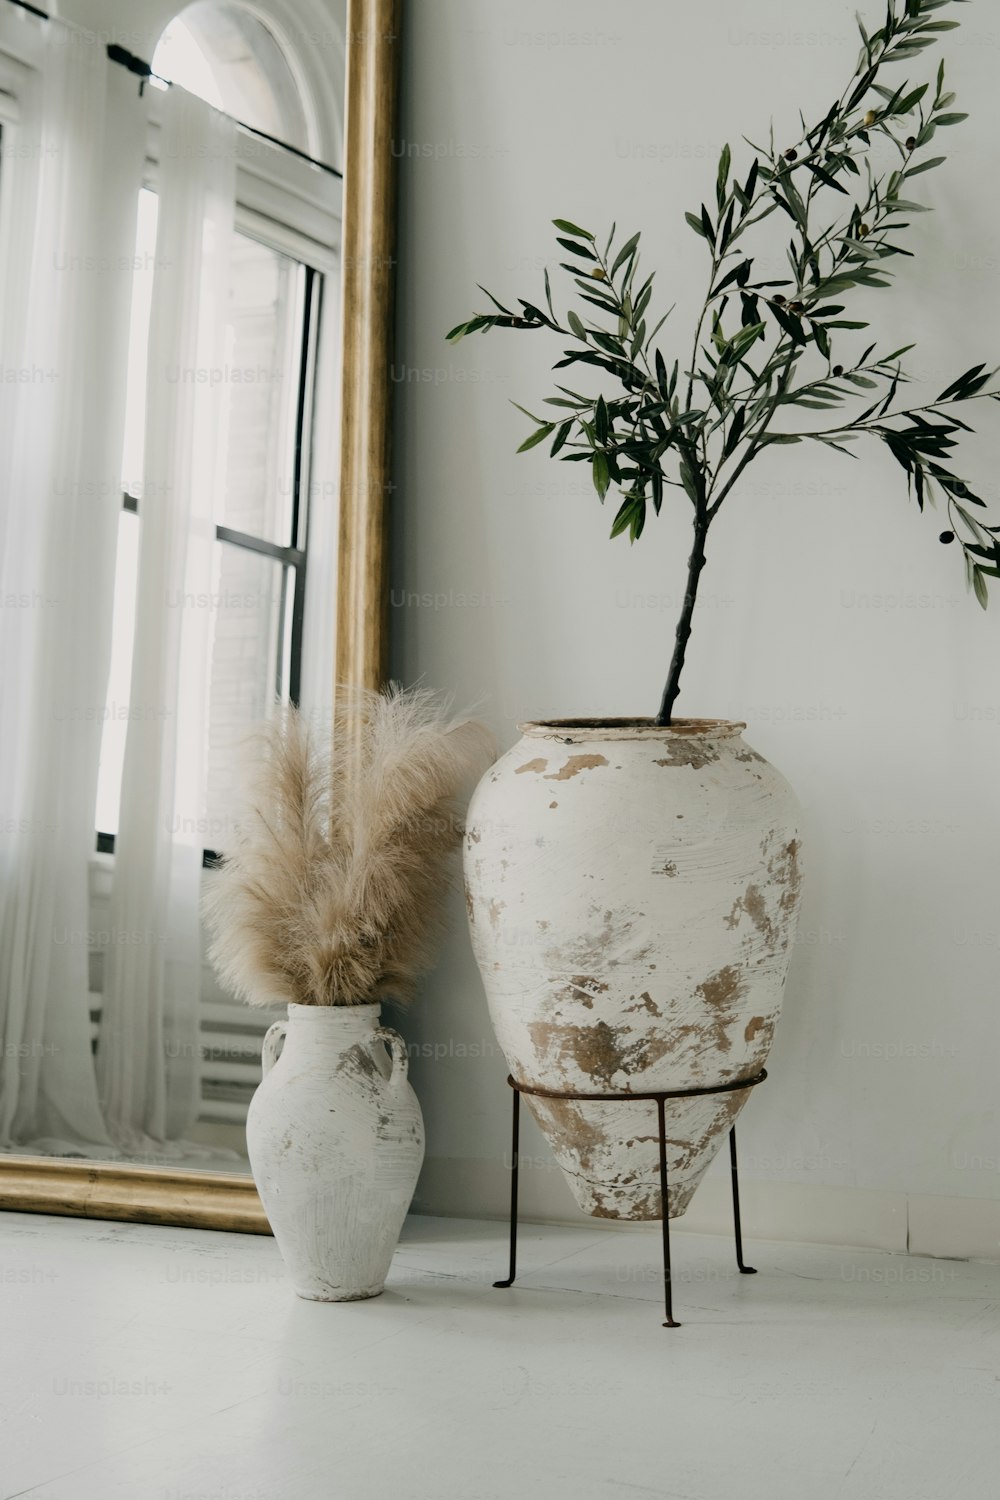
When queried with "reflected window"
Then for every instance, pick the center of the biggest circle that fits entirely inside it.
(261, 536)
(231, 59)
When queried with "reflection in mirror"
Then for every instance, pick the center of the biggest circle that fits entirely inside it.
(169, 286)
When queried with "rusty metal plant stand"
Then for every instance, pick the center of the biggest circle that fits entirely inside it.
(661, 1096)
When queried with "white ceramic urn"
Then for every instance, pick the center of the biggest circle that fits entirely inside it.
(632, 894)
(336, 1141)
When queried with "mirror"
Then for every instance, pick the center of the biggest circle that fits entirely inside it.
(196, 250)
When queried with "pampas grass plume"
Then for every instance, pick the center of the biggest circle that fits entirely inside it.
(332, 891)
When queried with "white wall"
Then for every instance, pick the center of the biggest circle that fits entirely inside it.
(832, 619)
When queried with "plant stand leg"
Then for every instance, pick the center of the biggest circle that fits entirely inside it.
(665, 1217)
(514, 1147)
(744, 1270)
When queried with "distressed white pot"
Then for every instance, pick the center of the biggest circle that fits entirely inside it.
(336, 1140)
(632, 895)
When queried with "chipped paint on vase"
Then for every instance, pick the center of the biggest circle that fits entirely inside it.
(336, 1141)
(632, 894)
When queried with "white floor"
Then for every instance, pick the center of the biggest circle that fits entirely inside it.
(139, 1363)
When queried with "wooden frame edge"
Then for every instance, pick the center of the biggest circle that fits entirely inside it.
(368, 312)
(146, 1195)
(215, 1200)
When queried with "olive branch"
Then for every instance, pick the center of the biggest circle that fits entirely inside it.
(761, 346)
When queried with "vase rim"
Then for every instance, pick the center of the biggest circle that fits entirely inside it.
(572, 731)
(363, 1012)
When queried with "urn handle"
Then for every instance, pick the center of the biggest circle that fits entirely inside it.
(400, 1059)
(270, 1052)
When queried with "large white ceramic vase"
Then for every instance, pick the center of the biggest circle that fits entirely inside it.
(632, 895)
(336, 1141)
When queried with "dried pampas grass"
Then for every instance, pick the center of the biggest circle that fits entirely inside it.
(332, 891)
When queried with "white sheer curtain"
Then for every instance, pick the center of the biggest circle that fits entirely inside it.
(149, 1053)
(75, 166)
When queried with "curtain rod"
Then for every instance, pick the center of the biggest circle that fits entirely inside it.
(143, 71)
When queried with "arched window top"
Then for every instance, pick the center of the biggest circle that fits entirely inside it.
(229, 57)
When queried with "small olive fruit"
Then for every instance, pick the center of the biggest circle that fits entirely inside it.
(597, 274)
(911, 143)
(947, 537)
(838, 370)
(870, 118)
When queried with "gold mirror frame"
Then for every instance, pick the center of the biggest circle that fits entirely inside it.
(217, 1200)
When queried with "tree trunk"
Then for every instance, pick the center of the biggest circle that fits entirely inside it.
(695, 564)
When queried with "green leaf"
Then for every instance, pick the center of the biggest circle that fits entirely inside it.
(834, 285)
(826, 178)
(979, 587)
(601, 421)
(735, 432)
(742, 342)
(574, 322)
(537, 437)
(638, 517)
(926, 166)
(975, 374)
(632, 514)
(565, 429)
(621, 520)
(609, 342)
(575, 249)
(725, 162)
(790, 324)
(601, 474)
(624, 253)
(911, 101)
(828, 442)
(950, 119)
(604, 303)
(569, 228)
(696, 225)
(661, 376)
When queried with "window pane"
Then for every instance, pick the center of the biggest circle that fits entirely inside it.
(266, 329)
(245, 657)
